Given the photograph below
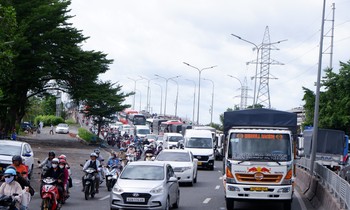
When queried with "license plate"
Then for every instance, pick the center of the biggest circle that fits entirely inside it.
(131, 199)
(199, 163)
(0, 168)
(258, 189)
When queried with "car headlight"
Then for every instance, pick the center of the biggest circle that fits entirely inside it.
(211, 157)
(117, 189)
(157, 190)
(185, 168)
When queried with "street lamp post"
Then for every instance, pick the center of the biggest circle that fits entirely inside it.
(135, 80)
(241, 104)
(140, 98)
(194, 98)
(166, 88)
(148, 101)
(161, 97)
(199, 84)
(177, 96)
(258, 48)
(212, 100)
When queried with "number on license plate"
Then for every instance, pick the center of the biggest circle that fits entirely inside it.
(131, 199)
(258, 189)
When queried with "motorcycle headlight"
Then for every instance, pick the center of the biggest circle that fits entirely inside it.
(157, 190)
(117, 189)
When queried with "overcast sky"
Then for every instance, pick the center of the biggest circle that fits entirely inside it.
(156, 36)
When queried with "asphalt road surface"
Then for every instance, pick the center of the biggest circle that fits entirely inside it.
(206, 194)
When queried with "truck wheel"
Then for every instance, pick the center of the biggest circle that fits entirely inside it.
(287, 205)
(230, 203)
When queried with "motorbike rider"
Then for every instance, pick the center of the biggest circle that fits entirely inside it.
(67, 166)
(131, 149)
(47, 161)
(57, 173)
(159, 149)
(11, 187)
(20, 167)
(113, 160)
(22, 181)
(62, 165)
(93, 163)
(122, 155)
(101, 159)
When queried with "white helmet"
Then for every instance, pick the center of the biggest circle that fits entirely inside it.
(93, 154)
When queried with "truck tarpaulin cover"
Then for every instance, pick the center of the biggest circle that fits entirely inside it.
(261, 118)
(328, 142)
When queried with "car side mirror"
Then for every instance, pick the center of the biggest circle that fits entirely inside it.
(153, 158)
(172, 179)
(39, 161)
(27, 155)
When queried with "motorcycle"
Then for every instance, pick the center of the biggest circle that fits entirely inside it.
(130, 157)
(7, 202)
(49, 194)
(89, 183)
(111, 174)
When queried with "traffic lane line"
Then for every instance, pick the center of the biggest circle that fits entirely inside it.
(217, 187)
(104, 198)
(206, 200)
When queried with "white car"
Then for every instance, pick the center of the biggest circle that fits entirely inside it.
(146, 185)
(183, 163)
(10, 148)
(62, 128)
(171, 140)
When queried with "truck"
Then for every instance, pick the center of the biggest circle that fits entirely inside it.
(332, 147)
(259, 155)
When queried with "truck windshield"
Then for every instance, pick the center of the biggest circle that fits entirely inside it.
(257, 146)
(202, 143)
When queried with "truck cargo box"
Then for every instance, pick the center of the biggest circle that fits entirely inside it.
(260, 118)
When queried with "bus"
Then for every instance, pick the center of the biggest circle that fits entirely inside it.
(123, 115)
(136, 119)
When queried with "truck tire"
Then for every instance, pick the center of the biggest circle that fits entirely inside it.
(230, 203)
(287, 205)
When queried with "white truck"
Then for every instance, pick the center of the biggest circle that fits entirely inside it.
(200, 143)
(259, 156)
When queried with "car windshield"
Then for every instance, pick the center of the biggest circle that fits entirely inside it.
(151, 136)
(10, 150)
(143, 172)
(174, 156)
(62, 125)
(175, 138)
(143, 131)
(266, 147)
(203, 143)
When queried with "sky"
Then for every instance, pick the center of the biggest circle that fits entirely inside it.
(156, 37)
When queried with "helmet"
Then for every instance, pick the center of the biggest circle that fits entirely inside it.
(62, 157)
(122, 149)
(55, 160)
(62, 161)
(10, 171)
(131, 145)
(11, 167)
(52, 153)
(97, 151)
(93, 154)
(17, 158)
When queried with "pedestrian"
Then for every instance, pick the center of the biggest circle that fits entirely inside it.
(41, 125)
(14, 134)
(51, 129)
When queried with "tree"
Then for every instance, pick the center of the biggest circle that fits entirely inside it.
(104, 100)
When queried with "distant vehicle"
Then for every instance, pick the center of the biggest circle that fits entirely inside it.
(10, 148)
(136, 119)
(27, 126)
(116, 125)
(345, 173)
(183, 163)
(156, 126)
(151, 137)
(146, 185)
(141, 131)
(171, 140)
(62, 128)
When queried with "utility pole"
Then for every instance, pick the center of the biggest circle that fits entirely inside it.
(329, 49)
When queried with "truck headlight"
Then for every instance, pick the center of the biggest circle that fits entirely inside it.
(284, 190)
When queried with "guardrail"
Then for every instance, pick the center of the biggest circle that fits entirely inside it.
(332, 181)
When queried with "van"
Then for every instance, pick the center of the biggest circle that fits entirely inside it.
(142, 130)
(200, 143)
(171, 140)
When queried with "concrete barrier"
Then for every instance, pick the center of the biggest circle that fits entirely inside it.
(320, 197)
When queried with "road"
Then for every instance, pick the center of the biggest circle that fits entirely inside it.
(206, 194)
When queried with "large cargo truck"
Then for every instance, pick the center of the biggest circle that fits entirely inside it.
(259, 156)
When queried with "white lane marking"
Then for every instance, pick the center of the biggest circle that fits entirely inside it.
(104, 198)
(300, 200)
(207, 200)
(220, 177)
(217, 187)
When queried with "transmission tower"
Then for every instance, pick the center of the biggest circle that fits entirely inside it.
(330, 34)
(263, 94)
(244, 94)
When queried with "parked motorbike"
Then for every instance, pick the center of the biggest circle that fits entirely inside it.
(49, 194)
(89, 183)
(111, 174)
(7, 202)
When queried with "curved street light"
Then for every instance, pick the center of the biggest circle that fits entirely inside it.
(161, 97)
(241, 104)
(148, 101)
(194, 98)
(199, 84)
(177, 95)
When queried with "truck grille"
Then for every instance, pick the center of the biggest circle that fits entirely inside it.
(268, 178)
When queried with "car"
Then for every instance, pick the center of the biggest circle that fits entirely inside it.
(62, 128)
(146, 185)
(141, 131)
(151, 137)
(170, 140)
(183, 163)
(10, 148)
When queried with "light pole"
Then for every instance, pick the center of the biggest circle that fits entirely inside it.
(212, 100)
(148, 101)
(194, 98)
(140, 98)
(199, 84)
(177, 96)
(161, 97)
(166, 88)
(241, 104)
(135, 80)
(258, 48)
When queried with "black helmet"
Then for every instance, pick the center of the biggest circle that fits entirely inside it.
(52, 153)
(17, 158)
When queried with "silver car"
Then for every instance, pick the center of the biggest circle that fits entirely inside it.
(146, 185)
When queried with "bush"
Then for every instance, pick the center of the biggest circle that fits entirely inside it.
(48, 120)
(85, 134)
(70, 122)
